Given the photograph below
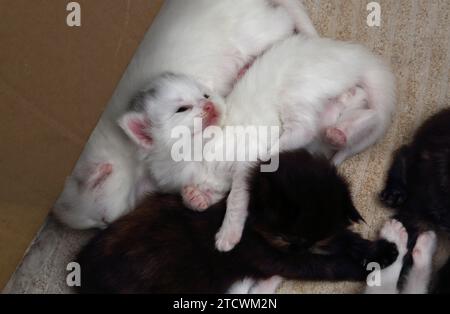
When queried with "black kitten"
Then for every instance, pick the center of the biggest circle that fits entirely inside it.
(297, 229)
(418, 183)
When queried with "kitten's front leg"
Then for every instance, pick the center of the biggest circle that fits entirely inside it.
(361, 250)
(314, 267)
(230, 232)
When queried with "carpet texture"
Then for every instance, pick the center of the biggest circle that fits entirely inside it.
(413, 36)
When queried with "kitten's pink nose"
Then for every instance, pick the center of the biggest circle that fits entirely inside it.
(209, 107)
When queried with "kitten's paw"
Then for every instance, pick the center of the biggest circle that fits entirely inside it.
(194, 198)
(424, 249)
(393, 231)
(383, 252)
(335, 137)
(227, 238)
(393, 197)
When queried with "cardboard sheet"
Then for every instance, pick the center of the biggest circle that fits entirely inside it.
(55, 81)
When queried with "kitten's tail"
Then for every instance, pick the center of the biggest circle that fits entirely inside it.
(296, 9)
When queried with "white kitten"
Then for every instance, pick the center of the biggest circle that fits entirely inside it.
(106, 182)
(418, 278)
(209, 40)
(295, 84)
(292, 86)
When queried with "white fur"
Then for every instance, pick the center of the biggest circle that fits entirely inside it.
(251, 286)
(393, 231)
(290, 86)
(84, 204)
(268, 286)
(242, 286)
(208, 40)
(418, 278)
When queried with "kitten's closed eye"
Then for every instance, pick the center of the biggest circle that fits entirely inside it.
(184, 109)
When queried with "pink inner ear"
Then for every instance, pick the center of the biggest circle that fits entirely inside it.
(139, 129)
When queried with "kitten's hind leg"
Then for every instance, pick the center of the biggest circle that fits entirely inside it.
(393, 231)
(419, 276)
(394, 193)
(340, 110)
(355, 132)
(357, 127)
(267, 286)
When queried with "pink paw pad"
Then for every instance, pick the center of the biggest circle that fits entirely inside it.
(335, 137)
(424, 249)
(394, 231)
(195, 198)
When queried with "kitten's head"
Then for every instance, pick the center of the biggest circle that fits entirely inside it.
(170, 101)
(302, 205)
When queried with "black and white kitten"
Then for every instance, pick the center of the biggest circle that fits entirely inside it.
(297, 229)
(418, 185)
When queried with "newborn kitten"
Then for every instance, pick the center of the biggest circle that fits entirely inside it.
(307, 87)
(208, 40)
(297, 228)
(318, 86)
(418, 181)
(417, 280)
(106, 183)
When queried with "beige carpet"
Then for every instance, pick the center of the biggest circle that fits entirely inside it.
(414, 36)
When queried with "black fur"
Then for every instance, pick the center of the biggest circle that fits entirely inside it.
(418, 183)
(442, 282)
(297, 228)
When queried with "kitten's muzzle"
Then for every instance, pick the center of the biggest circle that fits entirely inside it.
(210, 114)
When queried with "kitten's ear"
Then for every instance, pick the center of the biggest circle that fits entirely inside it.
(137, 127)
